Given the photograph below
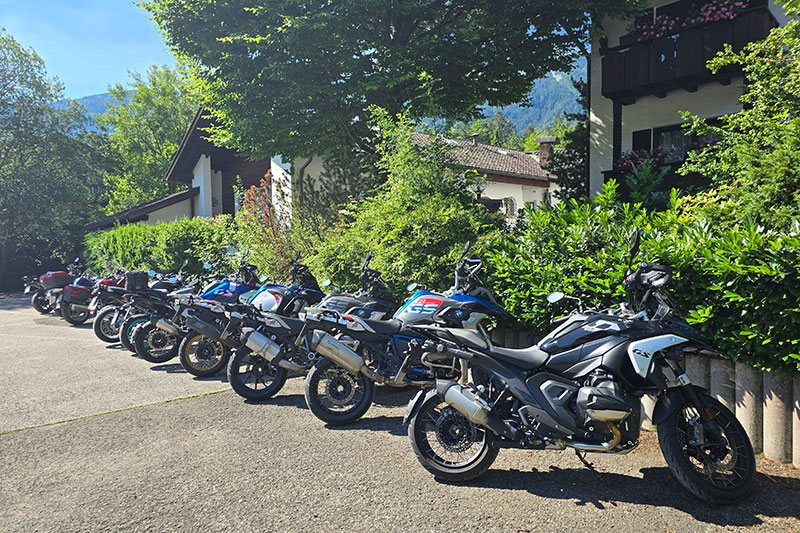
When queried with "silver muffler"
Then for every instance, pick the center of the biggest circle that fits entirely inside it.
(342, 355)
(262, 345)
(168, 326)
(476, 410)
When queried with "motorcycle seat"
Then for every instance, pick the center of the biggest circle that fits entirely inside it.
(384, 327)
(527, 358)
(115, 290)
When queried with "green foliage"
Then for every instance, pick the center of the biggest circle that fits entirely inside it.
(643, 182)
(497, 131)
(293, 78)
(49, 163)
(557, 128)
(738, 286)
(146, 127)
(569, 164)
(755, 164)
(415, 224)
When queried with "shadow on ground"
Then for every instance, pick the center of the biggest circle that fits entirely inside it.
(658, 488)
(176, 368)
(15, 304)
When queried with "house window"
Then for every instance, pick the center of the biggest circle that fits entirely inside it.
(674, 143)
(642, 140)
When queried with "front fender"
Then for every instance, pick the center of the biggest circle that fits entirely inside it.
(416, 402)
(671, 401)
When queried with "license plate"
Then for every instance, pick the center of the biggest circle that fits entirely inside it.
(27, 289)
(93, 305)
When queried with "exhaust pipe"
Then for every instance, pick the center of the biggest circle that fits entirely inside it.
(166, 325)
(342, 355)
(599, 447)
(270, 350)
(466, 403)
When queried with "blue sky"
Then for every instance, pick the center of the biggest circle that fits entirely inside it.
(87, 44)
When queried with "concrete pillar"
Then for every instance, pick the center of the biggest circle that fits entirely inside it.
(796, 421)
(648, 404)
(749, 402)
(201, 178)
(722, 386)
(777, 416)
(216, 193)
(697, 369)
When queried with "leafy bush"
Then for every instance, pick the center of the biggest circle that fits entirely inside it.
(738, 286)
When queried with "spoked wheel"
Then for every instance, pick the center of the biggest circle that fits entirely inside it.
(715, 470)
(155, 345)
(253, 377)
(127, 328)
(41, 302)
(73, 314)
(107, 323)
(202, 356)
(447, 444)
(335, 395)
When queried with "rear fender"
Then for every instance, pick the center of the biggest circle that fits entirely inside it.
(416, 402)
(671, 401)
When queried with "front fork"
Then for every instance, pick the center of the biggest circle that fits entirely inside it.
(710, 427)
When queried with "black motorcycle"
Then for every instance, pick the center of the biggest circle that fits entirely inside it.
(581, 387)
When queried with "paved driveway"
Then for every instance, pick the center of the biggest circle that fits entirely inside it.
(210, 462)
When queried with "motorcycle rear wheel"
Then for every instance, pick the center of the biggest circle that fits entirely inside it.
(104, 325)
(716, 473)
(253, 377)
(201, 356)
(448, 445)
(126, 330)
(41, 302)
(73, 315)
(155, 345)
(336, 396)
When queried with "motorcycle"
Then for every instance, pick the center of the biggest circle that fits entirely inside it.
(281, 341)
(47, 288)
(360, 351)
(581, 387)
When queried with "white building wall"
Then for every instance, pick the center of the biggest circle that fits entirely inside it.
(170, 213)
(201, 178)
(216, 192)
(522, 194)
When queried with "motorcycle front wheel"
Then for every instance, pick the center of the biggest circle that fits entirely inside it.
(448, 445)
(106, 326)
(336, 396)
(202, 356)
(41, 302)
(155, 345)
(126, 330)
(253, 377)
(716, 471)
(73, 315)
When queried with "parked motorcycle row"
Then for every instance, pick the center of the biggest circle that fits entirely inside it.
(580, 387)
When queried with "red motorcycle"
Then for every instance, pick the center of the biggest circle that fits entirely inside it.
(81, 299)
(48, 288)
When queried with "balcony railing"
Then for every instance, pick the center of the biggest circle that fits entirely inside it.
(679, 60)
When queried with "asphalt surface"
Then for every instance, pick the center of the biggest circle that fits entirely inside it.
(144, 449)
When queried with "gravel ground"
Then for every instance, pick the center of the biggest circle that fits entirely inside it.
(213, 462)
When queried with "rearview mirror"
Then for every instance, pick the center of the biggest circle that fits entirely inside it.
(77, 260)
(230, 250)
(325, 283)
(555, 297)
(412, 286)
(151, 273)
(263, 279)
(206, 266)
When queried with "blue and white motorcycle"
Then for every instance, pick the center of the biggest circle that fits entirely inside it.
(360, 351)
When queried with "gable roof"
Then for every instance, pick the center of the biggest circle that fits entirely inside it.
(488, 159)
(140, 212)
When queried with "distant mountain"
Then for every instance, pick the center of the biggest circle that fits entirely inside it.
(96, 103)
(549, 97)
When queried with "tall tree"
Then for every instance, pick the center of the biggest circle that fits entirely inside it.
(293, 77)
(49, 164)
(569, 164)
(145, 127)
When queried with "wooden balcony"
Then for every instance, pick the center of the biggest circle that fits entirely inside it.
(679, 60)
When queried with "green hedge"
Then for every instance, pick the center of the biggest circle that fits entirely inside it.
(740, 286)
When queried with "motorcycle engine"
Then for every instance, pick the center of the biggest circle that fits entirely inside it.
(602, 401)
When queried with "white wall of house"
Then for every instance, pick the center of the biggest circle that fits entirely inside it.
(177, 211)
(710, 100)
(522, 194)
(201, 178)
(216, 192)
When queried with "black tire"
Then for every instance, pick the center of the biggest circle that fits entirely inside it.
(201, 356)
(450, 429)
(104, 327)
(721, 486)
(155, 345)
(126, 330)
(253, 377)
(71, 314)
(345, 397)
(41, 302)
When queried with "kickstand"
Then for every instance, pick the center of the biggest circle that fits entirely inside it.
(587, 464)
